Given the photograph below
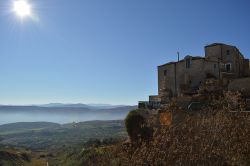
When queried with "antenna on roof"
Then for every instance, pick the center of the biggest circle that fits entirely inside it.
(178, 56)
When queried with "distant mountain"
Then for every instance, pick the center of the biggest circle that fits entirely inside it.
(80, 105)
(60, 113)
(65, 107)
(105, 106)
(120, 109)
(12, 108)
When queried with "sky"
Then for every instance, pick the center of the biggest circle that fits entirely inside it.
(107, 51)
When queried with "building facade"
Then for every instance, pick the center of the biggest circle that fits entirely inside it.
(221, 61)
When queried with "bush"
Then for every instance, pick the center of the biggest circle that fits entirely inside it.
(109, 141)
(146, 133)
(26, 157)
(93, 143)
(136, 126)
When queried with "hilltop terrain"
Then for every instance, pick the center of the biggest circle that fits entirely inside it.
(213, 135)
(216, 133)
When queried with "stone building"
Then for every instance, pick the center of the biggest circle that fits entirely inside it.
(222, 62)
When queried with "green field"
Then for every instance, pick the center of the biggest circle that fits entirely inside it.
(44, 136)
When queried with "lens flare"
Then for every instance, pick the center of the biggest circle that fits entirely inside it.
(22, 8)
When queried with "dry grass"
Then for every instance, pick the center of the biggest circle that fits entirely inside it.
(210, 137)
(206, 138)
(216, 135)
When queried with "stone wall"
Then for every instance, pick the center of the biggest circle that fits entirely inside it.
(177, 78)
(226, 54)
(166, 78)
(221, 61)
(213, 52)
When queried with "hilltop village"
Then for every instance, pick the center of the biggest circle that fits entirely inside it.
(200, 115)
(222, 68)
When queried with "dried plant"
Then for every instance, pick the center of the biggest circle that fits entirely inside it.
(216, 135)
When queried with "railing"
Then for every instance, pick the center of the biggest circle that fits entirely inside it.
(149, 104)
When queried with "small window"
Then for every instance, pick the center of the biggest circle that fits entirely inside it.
(165, 72)
(228, 52)
(215, 66)
(228, 67)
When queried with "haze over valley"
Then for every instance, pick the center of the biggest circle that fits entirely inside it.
(62, 113)
(124, 83)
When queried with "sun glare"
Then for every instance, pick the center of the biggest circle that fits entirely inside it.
(22, 8)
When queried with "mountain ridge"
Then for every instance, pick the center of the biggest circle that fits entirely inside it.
(68, 105)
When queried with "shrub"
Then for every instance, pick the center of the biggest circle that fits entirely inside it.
(26, 157)
(110, 141)
(93, 143)
(136, 126)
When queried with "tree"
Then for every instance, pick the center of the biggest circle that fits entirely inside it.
(135, 125)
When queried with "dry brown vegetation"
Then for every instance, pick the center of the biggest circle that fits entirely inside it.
(212, 138)
(216, 135)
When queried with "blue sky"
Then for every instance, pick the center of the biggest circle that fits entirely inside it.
(107, 51)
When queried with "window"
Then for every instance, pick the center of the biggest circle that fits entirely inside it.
(228, 52)
(215, 66)
(165, 72)
(228, 67)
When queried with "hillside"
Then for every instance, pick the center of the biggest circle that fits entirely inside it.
(214, 138)
(20, 157)
(23, 127)
(215, 135)
(43, 135)
(206, 138)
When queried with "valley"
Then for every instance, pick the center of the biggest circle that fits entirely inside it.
(41, 134)
(27, 143)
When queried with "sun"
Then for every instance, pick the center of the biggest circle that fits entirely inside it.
(22, 8)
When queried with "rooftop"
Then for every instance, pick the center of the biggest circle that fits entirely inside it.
(182, 60)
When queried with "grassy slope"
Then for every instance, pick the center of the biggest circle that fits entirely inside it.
(19, 157)
(22, 127)
(208, 137)
(56, 136)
